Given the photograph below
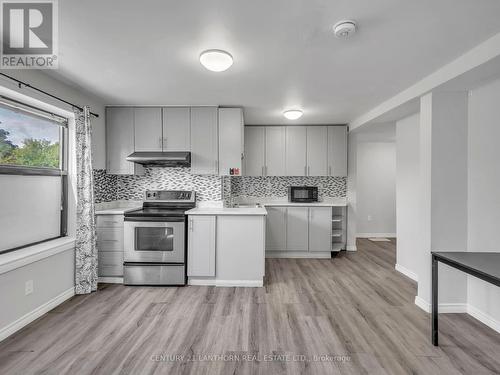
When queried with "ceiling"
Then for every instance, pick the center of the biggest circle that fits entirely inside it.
(285, 54)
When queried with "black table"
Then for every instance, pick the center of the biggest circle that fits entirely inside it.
(485, 266)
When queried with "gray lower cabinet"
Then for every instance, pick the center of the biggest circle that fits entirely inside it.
(276, 229)
(201, 245)
(110, 245)
(297, 228)
(320, 228)
(204, 140)
(305, 229)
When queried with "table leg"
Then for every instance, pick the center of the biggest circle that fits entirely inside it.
(434, 301)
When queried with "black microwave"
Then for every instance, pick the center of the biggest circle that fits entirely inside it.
(303, 194)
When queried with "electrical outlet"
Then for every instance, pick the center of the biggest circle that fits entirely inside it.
(369, 218)
(28, 287)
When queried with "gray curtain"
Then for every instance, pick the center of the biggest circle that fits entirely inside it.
(86, 250)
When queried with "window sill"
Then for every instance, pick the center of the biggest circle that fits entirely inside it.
(19, 258)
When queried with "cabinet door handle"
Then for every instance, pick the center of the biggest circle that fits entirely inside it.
(263, 172)
(329, 170)
(191, 224)
(160, 142)
(308, 170)
(305, 170)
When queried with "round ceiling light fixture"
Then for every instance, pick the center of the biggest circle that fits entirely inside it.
(216, 60)
(344, 29)
(293, 114)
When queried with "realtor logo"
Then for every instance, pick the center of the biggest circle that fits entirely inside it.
(29, 34)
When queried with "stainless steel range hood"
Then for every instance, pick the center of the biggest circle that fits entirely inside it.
(161, 159)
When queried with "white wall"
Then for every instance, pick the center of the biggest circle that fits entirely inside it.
(53, 281)
(443, 194)
(407, 193)
(376, 188)
(69, 93)
(352, 140)
(484, 191)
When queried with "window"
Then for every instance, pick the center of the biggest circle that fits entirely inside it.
(33, 178)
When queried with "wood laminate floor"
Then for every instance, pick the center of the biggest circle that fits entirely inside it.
(354, 312)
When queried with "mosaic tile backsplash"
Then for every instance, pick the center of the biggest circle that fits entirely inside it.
(208, 188)
(273, 186)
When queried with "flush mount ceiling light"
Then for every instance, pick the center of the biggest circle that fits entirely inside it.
(293, 114)
(216, 60)
(344, 29)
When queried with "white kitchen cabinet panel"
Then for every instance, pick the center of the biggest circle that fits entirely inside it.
(320, 228)
(337, 151)
(275, 151)
(204, 140)
(120, 140)
(147, 129)
(254, 159)
(201, 245)
(297, 228)
(230, 141)
(176, 129)
(317, 151)
(276, 229)
(296, 151)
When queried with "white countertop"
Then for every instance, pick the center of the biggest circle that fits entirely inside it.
(327, 202)
(117, 207)
(249, 211)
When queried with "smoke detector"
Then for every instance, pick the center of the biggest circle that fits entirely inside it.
(344, 29)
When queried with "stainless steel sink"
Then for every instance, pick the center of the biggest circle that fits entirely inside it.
(246, 205)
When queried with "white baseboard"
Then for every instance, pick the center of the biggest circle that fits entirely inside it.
(299, 254)
(483, 318)
(35, 314)
(405, 271)
(460, 308)
(424, 305)
(110, 280)
(226, 283)
(351, 248)
(444, 308)
(376, 235)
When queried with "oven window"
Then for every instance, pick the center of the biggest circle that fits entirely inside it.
(154, 239)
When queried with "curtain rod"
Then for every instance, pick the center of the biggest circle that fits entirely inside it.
(21, 84)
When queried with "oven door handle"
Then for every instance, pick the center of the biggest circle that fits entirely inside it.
(155, 219)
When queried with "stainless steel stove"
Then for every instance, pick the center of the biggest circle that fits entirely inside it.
(156, 239)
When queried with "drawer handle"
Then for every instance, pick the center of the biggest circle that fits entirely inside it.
(111, 222)
(109, 240)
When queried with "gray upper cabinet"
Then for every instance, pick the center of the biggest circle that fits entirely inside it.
(337, 151)
(275, 151)
(297, 228)
(276, 229)
(255, 155)
(317, 146)
(296, 151)
(147, 129)
(119, 140)
(176, 129)
(204, 140)
(320, 228)
(231, 136)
